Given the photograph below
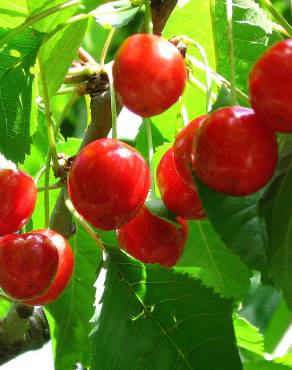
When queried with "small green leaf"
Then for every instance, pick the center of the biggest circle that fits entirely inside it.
(157, 208)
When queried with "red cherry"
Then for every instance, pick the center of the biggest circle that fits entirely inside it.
(152, 239)
(183, 150)
(64, 271)
(178, 196)
(28, 263)
(270, 85)
(108, 183)
(17, 199)
(234, 153)
(149, 74)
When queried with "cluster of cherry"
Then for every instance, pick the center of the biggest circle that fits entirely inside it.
(35, 267)
(232, 150)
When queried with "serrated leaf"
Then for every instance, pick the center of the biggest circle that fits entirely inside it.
(248, 336)
(71, 313)
(115, 14)
(237, 220)
(253, 33)
(156, 318)
(278, 214)
(17, 108)
(58, 53)
(206, 257)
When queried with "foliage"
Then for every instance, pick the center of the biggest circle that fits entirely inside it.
(118, 313)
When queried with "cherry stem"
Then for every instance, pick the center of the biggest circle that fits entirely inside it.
(181, 114)
(106, 47)
(57, 185)
(35, 18)
(201, 87)
(203, 54)
(229, 8)
(82, 222)
(148, 17)
(147, 123)
(113, 104)
(46, 190)
(86, 57)
(279, 18)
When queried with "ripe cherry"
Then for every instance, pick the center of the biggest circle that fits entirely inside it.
(235, 153)
(108, 183)
(177, 195)
(28, 263)
(17, 197)
(149, 74)
(270, 85)
(64, 270)
(183, 150)
(152, 239)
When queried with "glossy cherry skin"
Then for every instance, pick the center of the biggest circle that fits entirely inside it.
(183, 150)
(270, 86)
(177, 195)
(108, 183)
(17, 199)
(149, 74)
(235, 153)
(28, 263)
(64, 270)
(151, 239)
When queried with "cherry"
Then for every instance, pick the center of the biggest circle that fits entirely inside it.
(235, 153)
(108, 183)
(64, 271)
(270, 85)
(17, 198)
(178, 196)
(183, 150)
(28, 263)
(149, 74)
(152, 239)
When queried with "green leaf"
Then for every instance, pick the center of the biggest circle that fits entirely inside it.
(69, 316)
(248, 336)
(238, 222)
(206, 257)
(115, 14)
(253, 34)
(278, 214)
(17, 106)
(156, 318)
(58, 53)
